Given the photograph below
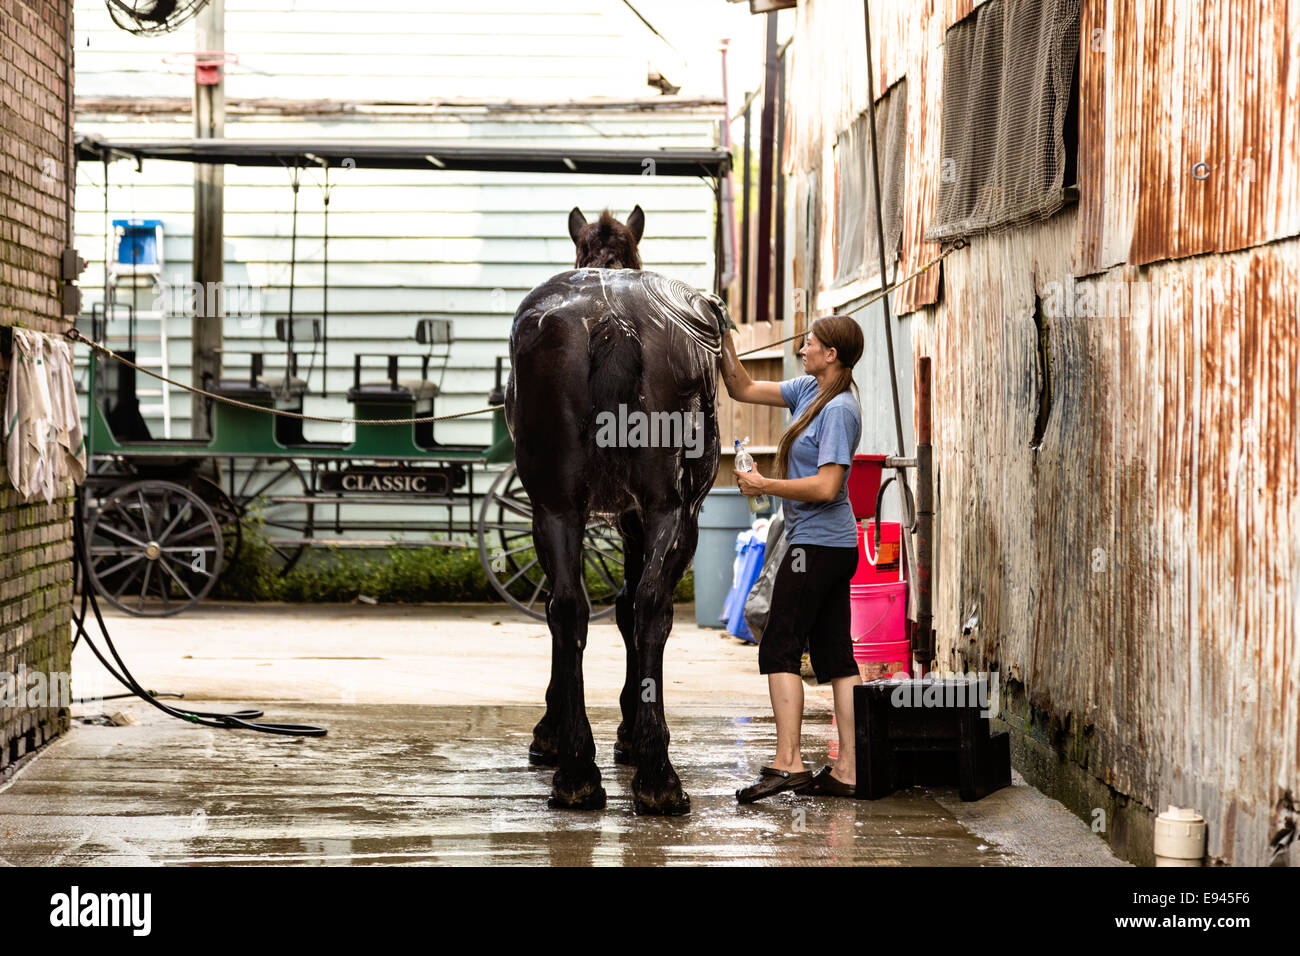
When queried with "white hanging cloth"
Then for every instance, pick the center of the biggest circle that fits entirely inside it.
(67, 415)
(44, 443)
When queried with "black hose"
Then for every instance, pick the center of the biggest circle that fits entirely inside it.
(245, 719)
(95, 700)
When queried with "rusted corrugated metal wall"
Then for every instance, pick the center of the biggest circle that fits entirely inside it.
(1189, 135)
(828, 59)
(1138, 572)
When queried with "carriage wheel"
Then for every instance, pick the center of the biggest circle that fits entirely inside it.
(153, 548)
(270, 495)
(226, 512)
(505, 546)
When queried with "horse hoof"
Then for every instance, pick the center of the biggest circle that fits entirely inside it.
(673, 804)
(623, 756)
(591, 799)
(577, 788)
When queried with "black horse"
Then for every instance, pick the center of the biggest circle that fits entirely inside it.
(584, 343)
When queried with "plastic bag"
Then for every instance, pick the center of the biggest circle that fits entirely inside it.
(758, 606)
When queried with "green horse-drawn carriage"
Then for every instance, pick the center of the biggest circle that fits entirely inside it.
(163, 516)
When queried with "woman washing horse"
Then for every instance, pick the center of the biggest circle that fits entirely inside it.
(810, 597)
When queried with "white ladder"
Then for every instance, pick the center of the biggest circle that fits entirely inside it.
(155, 397)
(150, 333)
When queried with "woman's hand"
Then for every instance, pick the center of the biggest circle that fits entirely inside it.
(739, 385)
(751, 482)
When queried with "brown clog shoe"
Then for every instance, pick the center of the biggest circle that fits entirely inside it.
(770, 781)
(824, 785)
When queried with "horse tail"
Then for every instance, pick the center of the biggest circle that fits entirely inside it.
(613, 380)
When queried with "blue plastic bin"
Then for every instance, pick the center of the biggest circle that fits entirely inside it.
(725, 514)
(751, 546)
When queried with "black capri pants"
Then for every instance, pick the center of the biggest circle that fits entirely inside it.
(810, 608)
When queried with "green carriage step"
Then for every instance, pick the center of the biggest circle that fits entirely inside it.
(362, 543)
(329, 498)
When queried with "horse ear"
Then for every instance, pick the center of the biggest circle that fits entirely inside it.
(576, 221)
(636, 223)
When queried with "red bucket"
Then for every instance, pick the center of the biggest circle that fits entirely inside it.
(883, 660)
(885, 567)
(864, 484)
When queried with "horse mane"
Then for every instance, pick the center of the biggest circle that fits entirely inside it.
(607, 244)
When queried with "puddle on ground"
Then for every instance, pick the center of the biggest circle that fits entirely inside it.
(417, 785)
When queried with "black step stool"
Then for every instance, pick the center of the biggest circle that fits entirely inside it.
(902, 741)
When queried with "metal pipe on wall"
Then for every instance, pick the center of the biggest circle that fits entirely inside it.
(880, 227)
(70, 159)
(766, 140)
(744, 225)
(910, 559)
(923, 638)
(209, 215)
(778, 312)
(727, 208)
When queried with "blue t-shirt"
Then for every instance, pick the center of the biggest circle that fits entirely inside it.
(830, 439)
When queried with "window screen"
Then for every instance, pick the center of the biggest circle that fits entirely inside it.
(855, 221)
(1008, 73)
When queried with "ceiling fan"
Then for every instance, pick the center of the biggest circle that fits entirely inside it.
(149, 18)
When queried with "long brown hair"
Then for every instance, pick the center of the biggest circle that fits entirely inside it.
(843, 334)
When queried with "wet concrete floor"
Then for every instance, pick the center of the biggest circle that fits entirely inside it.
(397, 782)
(401, 784)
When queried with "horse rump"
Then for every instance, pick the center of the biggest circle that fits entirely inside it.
(613, 380)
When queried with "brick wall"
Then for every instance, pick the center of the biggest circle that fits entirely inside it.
(35, 611)
(34, 153)
(35, 538)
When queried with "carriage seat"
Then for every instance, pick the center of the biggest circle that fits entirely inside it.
(293, 386)
(284, 385)
(394, 388)
(258, 386)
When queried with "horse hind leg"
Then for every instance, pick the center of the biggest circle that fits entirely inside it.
(544, 750)
(558, 539)
(633, 534)
(671, 534)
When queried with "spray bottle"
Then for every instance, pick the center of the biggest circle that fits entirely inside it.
(745, 462)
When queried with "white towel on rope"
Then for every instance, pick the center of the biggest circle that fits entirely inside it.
(67, 415)
(44, 443)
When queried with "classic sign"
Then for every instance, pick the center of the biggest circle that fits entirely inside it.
(395, 481)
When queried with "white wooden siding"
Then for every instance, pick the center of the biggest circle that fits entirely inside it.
(403, 244)
(391, 49)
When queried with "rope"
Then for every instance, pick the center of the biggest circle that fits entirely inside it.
(958, 244)
(76, 336)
